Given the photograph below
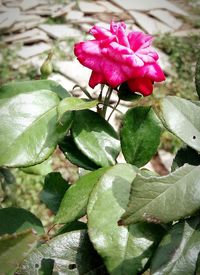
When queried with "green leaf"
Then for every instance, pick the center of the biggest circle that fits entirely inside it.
(76, 225)
(182, 118)
(72, 254)
(186, 155)
(126, 94)
(74, 203)
(42, 169)
(29, 131)
(123, 250)
(75, 156)
(140, 135)
(197, 76)
(18, 220)
(74, 104)
(95, 138)
(178, 251)
(14, 248)
(53, 191)
(164, 199)
(15, 88)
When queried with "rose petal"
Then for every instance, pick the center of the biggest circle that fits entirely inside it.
(100, 32)
(154, 72)
(96, 78)
(142, 85)
(139, 40)
(122, 37)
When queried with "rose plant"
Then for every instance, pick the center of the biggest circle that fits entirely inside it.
(135, 220)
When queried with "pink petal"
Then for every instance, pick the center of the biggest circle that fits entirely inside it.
(96, 78)
(139, 40)
(115, 26)
(91, 62)
(154, 72)
(122, 54)
(100, 33)
(122, 37)
(142, 85)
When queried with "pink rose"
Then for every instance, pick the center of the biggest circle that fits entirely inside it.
(115, 56)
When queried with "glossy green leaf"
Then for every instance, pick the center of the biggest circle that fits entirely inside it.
(75, 156)
(182, 118)
(123, 250)
(14, 248)
(74, 104)
(140, 135)
(42, 169)
(95, 138)
(14, 88)
(29, 131)
(18, 220)
(74, 203)
(178, 251)
(126, 94)
(53, 191)
(186, 155)
(164, 199)
(72, 254)
(197, 76)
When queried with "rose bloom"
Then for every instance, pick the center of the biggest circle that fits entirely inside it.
(116, 56)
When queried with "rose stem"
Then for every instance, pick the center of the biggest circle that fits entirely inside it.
(106, 101)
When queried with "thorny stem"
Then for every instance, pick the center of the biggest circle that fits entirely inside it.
(114, 109)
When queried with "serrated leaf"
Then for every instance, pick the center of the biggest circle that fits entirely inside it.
(164, 199)
(14, 220)
(182, 118)
(53, 191)
(177, 253)
(72, 254)
(123, 250)
(75, 156)
(14, 248)
(186, 155)
(140, 135)
(74, 104)
(95, 138)
(74, 203)
(29, 131)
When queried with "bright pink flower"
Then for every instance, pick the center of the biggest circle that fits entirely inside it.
(115, 56)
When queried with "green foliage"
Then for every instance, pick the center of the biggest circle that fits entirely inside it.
(178, 251)
(16, 220)
(14, 248)
(117, 219)
(72, 254)
(137, 145)
(53, 191)
(164, 199)
(95, 138)
(76, 198)
(23, 104)
(119, 247)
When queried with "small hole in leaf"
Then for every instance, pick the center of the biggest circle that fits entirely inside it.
(36, 265)
(194, 137)
(72, 266)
